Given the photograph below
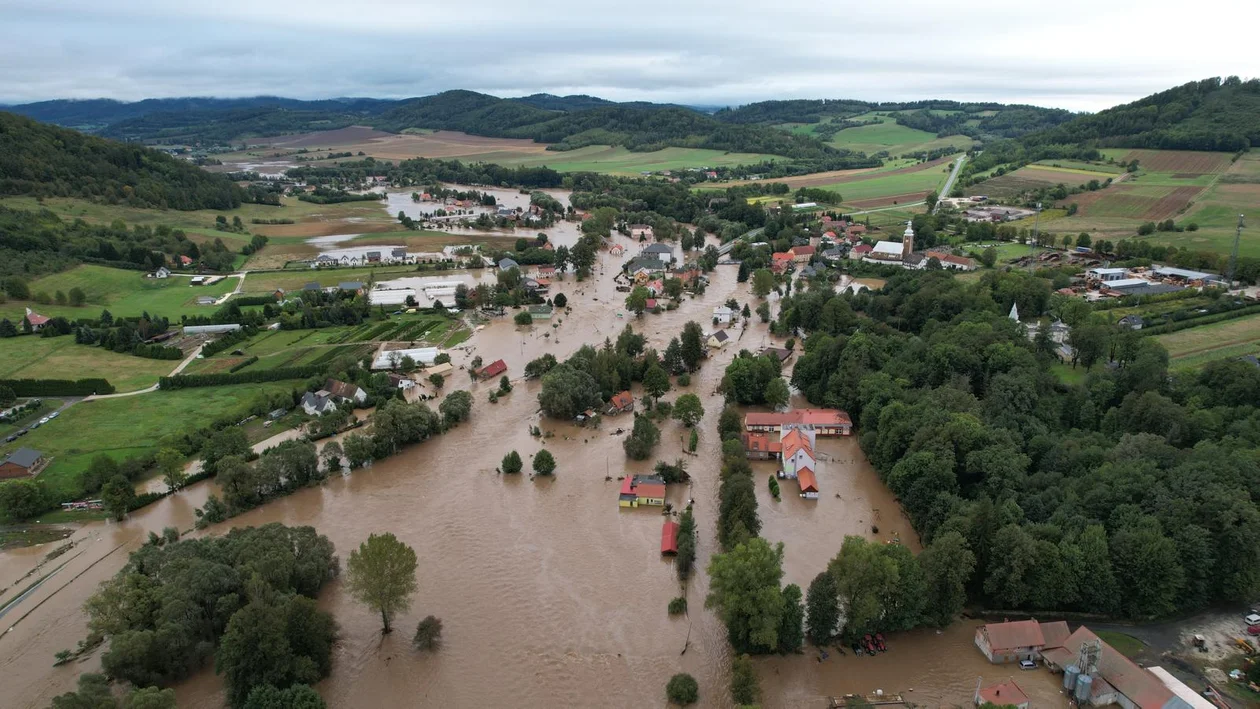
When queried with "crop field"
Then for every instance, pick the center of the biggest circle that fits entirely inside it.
(123, 292)
(1081, 165)
(129, 425)
(1215, 341)
(1067, 175)
(901, 186)
(1138, 202)
(893, 137)
(34, 357)
(1179, 161)
(618, 160)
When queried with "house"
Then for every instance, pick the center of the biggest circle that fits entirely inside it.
(36, 320)
(808, 483)
(540, 312)
(505, 211)
(723, 315)
(312, 287)
(823, 422)
(22, 463)
(442, 369)
(620, 403)
(507, 263)
(184, 260)
(833, 255)
(642, 490)
(400, 382)
(351, 287)
(807, 272)
(761, 446)
(651, 305)
(616, 249)
(162, 272)
(802, 254)
(1011, 641)
(656, 287)
(640, 231)
(318, 403)
(718, 340)
(857, 253)
(780, 261)
(797, 450)
(948, 260)
(1115, 679)
(1002, 694)
(669, 537)
(343, 391)
(661, 252)
(493, 369)
(1132, 322)
(373, 257)
(780, 353)
(1107, 274)
(643, 267)
(545, 271)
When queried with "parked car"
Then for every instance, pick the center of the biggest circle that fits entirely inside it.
(11, 439)
(1252, 619)
(53, 415)
(1027, 665)
(43, 421)
(36, 425)
(1253, 629)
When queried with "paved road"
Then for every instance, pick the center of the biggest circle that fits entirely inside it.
(187, 361)
(949, 183)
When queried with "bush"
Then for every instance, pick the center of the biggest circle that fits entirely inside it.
(241, 365)
(428, 634)
(678, 606)
(523, 318)
(684, 380)
(512, 463)
(189, 381)
(544, 462)
(774, 487)
(58, 387)
(682, 689)
(639, 444)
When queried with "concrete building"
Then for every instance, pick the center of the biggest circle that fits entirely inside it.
(1114, 680)
(661, 252)
(723, 315)
(1107, 274)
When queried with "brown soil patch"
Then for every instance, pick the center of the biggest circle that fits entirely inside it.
(342, 136)
(1186, 162)
(324, 228)
(1243, 195)
(1084, 201)
(444, 144)
(906, 198)
(819, 179)
(1168, 207)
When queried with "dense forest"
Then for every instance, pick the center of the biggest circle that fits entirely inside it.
(37, 242)
(93, 114)
(47, 161)
(1212, 114)
(1132, 494)
(218, 126)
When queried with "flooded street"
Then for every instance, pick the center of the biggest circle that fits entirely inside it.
(549, 593)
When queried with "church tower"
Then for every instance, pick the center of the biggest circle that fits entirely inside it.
(907, 241)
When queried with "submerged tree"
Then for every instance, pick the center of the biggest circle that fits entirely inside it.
(381, 574)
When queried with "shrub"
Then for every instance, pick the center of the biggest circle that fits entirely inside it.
(428, 634)
(678, 606)
(684, 380)
(682, 689)
(544, 462)
(512, 463)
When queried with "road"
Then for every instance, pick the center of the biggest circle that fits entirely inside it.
(949, 183)
(187, 361)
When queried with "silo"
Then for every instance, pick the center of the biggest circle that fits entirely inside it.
(1084, 684)
(1069, 677)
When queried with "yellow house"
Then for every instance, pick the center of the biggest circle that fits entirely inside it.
(642, 490)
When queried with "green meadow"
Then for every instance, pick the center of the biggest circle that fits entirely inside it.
(122, 292)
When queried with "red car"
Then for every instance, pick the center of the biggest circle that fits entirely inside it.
(1253, 629)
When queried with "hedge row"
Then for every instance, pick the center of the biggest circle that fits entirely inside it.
(189, 381)
(248, 300)
(157, 352)
(1205, 320)
(227, 340)
(58, 387)
(241, 365)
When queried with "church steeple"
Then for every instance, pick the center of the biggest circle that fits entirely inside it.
(907, 241)
(1014, 312)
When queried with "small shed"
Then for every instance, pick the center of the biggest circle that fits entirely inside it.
(1002, 694)
(22, 463)
(493, 369)
(669, 537)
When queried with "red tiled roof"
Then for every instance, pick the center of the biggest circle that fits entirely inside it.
(794, 441)
(622, 399)
(627, 485)
(1055, 633)
(36, 319)
(1019, 633)
(650, 489)
(761, 442)
(1140, 686)
(863, 249)
(650, 304)
(813, 417)
(805, 250)
(782, 256)
(184, 260)
(830, 234)
(341, 389)
(496, 367)
(805, 477)
(1003, 693)
(669, 537)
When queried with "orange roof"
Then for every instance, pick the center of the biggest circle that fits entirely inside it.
(622, 400)
(761, 442)
(782, 256)
(669, 537)
(1003, 693)
(1055, 633)
(805, 250)
(496, 367)
(794, 441)
(1011, 635)
(650, 489)
(813, 417)
(805, 477)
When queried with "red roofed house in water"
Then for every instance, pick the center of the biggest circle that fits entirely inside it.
(1002, 694)
(639, 490)
(669, 537)
(493, 369)
(823, 422)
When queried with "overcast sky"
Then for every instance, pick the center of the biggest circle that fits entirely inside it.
(1076, 54)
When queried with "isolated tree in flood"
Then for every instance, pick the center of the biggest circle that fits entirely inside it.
(428, 634)
(636, 302)
(763, 282)
(823, 606)
(744, 688)
(381, 574)
(655, 381)
(171, 463)
(642, 439)
(777, 393)
(744, 589)
(792, 624)
(512, 463)
(117, 496)
(692, 345)
(685, 561)
(544, 462)
(298, 696)
(688, 410)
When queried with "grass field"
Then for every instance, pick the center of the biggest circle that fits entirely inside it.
(128, 426)
(890, 136)
(1215, 341)
(618, 160)
(1081, 165)
(121, 291)
(1127, 645)
(32, 357)
(879, 190)
(268, 282)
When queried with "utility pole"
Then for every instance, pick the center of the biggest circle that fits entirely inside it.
(1233, 255)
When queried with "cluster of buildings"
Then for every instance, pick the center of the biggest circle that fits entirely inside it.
(1094, 673)
(333, 394)
(902, 254)
(996, 213)
(1118, 282)
(790, 437)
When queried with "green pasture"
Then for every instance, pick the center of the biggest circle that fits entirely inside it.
(618, 160)
(893, 137)
(1238, 334)
(121, 291)
(34, 357)
(887, 185)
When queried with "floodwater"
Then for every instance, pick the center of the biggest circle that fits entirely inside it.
(549, 593)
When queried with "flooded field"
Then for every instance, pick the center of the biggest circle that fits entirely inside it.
(550, 594)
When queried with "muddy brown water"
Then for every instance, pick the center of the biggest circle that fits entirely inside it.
(550, 595)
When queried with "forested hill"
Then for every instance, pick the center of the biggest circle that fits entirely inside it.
(1213, 114)
(637, 127)
(982, 121)
(44, 160)
(95, 114)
